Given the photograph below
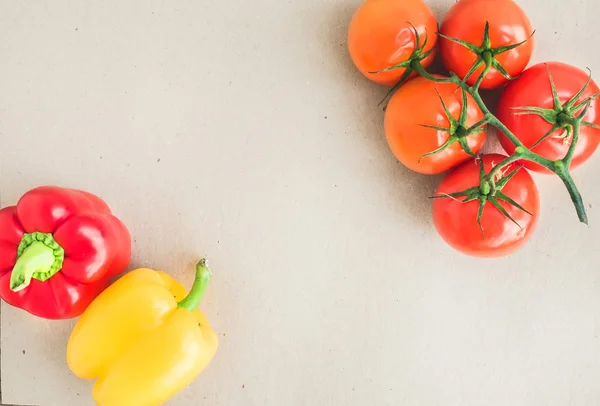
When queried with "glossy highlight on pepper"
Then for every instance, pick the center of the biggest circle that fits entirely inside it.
(59, 248)
(143, 339)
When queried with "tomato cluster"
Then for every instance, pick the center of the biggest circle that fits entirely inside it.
(547, 120)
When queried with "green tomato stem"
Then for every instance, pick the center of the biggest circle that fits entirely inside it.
(569, 155)
(565, 176)
(417, 67)
(488, 66)
(500, 126)
(499, 166)
(560, 167)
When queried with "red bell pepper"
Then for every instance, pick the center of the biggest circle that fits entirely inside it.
(59, 249)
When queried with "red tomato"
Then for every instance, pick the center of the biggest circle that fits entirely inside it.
(533, 89)
(380, 35)
(508, 25)
(417, 103)
(456, 222)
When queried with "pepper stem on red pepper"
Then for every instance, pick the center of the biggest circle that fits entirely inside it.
(193, 299)
(39, 256)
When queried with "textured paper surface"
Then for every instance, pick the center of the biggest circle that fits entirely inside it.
(241, 131)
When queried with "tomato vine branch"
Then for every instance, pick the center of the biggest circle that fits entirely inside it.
(563, 118)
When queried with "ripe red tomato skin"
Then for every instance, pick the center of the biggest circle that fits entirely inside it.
(456, 222)
(417, 103)
(508, 25)
(380, 35)
(533, 88)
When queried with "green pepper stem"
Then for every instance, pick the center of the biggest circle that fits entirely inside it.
(193, 299)
(37, 258)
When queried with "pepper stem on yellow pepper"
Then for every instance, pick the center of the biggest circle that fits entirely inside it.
(193, 299)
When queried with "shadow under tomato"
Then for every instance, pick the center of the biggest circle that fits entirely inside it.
(408, 190)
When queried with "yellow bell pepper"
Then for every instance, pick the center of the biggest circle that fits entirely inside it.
(143, 339)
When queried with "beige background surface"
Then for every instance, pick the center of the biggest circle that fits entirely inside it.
(241, 131)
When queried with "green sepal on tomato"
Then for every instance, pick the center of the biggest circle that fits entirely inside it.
(539, 108)
(382, 41)
(483, 222)
(432, 127)
(476, 32)
(486, 206)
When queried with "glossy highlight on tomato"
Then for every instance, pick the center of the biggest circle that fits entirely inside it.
(456, 221)
(380, 35)
(417, 103)
(508, 25)
(533, 89)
